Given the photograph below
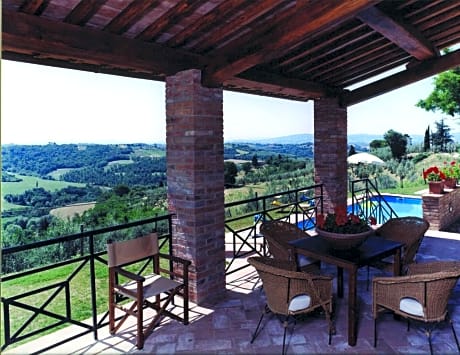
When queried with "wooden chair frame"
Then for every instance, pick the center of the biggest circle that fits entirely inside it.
(142, 288)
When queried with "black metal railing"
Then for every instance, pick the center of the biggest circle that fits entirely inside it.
(368, 202)
(83, 256)
(244, 217)
(33, 306)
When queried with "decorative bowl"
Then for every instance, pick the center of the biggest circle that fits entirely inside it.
(340, 241)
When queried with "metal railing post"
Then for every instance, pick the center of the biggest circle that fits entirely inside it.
(93, 284)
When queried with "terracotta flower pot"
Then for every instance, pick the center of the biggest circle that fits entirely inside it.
(340, 241)
(436, 187)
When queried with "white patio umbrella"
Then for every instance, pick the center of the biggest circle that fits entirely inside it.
(365, 158)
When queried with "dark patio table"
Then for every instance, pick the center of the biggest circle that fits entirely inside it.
(373, 249)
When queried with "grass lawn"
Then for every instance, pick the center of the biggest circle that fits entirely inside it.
(28, 183)
(80, 296)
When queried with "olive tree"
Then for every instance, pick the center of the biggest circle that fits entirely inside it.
(397, 143)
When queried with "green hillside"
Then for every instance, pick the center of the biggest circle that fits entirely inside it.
(28, 183)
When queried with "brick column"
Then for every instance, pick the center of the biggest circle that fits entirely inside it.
(330, 150)
(195, 176)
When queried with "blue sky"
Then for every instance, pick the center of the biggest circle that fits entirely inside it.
(42, 104)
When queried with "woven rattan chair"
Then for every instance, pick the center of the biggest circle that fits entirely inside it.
(278, 234)
(148, 289)
(407, 230)
(422, 295)
(291, 293)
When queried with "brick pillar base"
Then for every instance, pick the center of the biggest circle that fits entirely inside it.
(195, 176)
(330, 150)
(441, 210)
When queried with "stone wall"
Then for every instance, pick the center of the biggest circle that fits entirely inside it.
(441, 210)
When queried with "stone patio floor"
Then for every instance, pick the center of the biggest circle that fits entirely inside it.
(226, 327)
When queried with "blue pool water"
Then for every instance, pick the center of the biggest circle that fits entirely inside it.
(403, 206)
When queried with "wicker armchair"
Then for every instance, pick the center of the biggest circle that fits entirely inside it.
(422, 295)
(278, 234)
(290, 293)
(407, 230)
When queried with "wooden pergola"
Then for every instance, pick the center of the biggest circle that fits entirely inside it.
(300, 50)
(322, 50)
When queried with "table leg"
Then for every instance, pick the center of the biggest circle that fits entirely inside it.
(339, 282)
(397, 272)
(352, 307)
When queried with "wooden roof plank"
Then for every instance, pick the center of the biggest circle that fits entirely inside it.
(170, 17)
(324, 46)
(132, 13)
(204, 22)
(370, 68)
(253, 11)
(336, 53)
(84, 10)
(346, 58)
(309, 18)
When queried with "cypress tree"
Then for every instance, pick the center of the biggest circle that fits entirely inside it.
(426, 141)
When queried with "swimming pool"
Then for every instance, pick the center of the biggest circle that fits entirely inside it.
(403, 205)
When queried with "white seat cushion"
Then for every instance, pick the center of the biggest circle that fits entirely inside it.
(299, 302)
(411, 306)
(302, 260)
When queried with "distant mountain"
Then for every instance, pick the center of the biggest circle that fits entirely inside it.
(355, 139)
(361, 139)
(292, 139)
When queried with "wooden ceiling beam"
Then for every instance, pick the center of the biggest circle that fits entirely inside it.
(400, 34)
(130, 15)
(257, 88)
(320, 46)
(311, 89)
(446, 31)
(411, 75)
(357, 58)
(309, 18)
(370, 69)
(254, 10)
(82, 67)
(238, 46)
(84, 10)
(319, 69)
(372, 72)
(204, 22)
(169, 18)
(35, 36)
(433, 12)
(34, 7)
